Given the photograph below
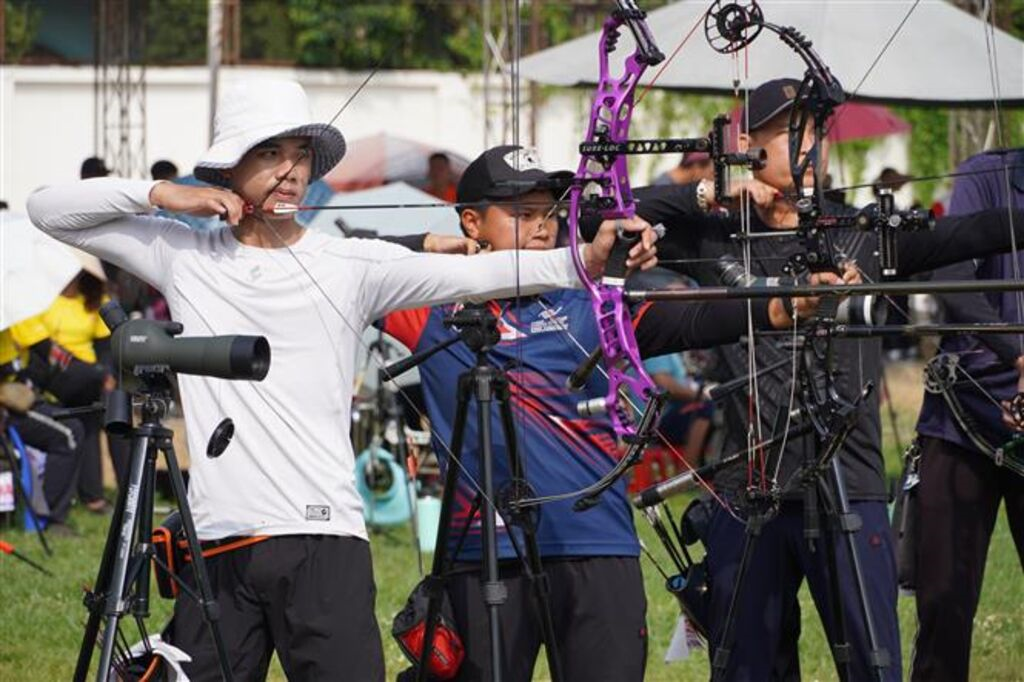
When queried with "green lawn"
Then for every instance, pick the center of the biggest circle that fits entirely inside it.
(41, 618)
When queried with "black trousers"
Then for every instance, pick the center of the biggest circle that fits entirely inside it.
(599, 611)
(62, 461)
(958, 500)
(308, 597)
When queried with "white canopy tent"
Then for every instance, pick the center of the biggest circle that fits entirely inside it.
(386, 212)
(940, 55)
(34, 268)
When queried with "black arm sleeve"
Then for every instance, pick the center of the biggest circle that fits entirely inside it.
(413, 242)
(672, 326)
(958, 238)
(975, 308)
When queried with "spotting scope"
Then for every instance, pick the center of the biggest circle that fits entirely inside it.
(150, 345)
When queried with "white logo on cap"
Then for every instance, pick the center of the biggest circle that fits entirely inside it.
(523, 159)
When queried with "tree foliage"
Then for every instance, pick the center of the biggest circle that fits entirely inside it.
(21, 22)
(175, 32)
(361, 34)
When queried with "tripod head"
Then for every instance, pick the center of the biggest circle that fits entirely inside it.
(476, 326)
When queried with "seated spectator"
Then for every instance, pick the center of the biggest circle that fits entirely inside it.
(75, 327)
(24, 349)
(686, 418)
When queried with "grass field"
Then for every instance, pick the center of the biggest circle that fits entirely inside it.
(41, 618)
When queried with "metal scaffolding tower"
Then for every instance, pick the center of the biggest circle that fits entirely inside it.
(120, 86)
(500, 44)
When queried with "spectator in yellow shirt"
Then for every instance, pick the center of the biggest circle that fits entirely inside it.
(75, 327)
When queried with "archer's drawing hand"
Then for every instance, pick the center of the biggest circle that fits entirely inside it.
(198, 201)
(451, 244)
(760, 194)
(806, 307)
(643, 255)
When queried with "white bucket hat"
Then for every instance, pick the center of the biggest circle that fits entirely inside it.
(254, 111)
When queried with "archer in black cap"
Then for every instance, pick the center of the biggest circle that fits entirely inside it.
(765, 118)
(504, 194)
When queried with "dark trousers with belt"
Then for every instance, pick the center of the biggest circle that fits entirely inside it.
(958, 499)
(781, 560)
(310, 598)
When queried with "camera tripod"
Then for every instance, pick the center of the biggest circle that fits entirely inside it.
(485, 384)
(123, 582)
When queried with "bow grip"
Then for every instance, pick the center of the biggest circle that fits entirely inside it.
(615, 268)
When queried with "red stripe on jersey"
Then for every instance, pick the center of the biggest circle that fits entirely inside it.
(641, 311)
(407, 326)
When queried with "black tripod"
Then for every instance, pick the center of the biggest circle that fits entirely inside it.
(825, 503)
(122, 585)
(486, 384)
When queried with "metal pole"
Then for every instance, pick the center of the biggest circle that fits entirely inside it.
(215, 18)
(487, 71)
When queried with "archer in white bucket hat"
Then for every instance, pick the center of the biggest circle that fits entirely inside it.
(254, 111)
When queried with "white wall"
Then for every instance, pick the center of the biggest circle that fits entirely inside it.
(47, 127)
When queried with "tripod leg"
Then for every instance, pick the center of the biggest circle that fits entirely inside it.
(434, 582)
(720, 661)
(92, 626)
(144, 542)
(850, 523)
(495, 592)
(841, 649)
(538, 578)
(122, 551)
(207, 602)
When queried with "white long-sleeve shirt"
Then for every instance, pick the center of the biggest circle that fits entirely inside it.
(290, 467)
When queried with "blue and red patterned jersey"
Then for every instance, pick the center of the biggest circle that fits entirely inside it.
(561, 451)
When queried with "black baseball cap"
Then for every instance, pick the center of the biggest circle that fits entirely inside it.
(769, 100)
(507, 171)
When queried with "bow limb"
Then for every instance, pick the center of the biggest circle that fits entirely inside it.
(602, 185)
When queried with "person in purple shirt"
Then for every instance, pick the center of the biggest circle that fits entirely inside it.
(961, 486)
